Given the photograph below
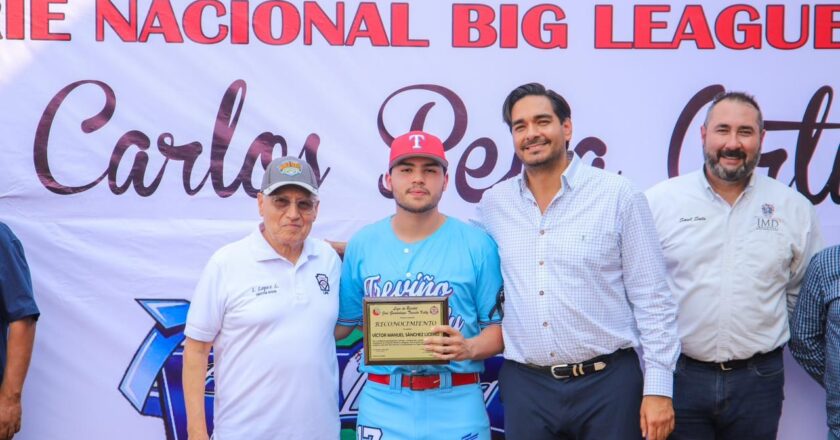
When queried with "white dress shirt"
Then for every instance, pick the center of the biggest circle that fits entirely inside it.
(584, 279)
(734, 270)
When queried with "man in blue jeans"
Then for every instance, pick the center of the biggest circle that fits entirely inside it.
(736, 246)
(815, 330)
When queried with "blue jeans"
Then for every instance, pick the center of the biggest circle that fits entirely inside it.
(597, 406)
(740, 404)
(831, 436)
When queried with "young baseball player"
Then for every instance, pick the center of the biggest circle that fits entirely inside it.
(419, 251)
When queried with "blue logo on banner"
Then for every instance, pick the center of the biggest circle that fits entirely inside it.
(152, 381)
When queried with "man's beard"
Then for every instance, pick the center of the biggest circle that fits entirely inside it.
(736, 175)
(417, 209)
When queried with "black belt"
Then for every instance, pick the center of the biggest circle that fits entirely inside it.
(594, 365)
(734, 364)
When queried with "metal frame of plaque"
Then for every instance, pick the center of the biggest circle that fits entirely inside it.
(378, 310)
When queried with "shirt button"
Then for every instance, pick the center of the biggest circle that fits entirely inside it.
(541, 262)
(551, 354)
(542, 293)
(545, 324)
(405, 251)
(408, 275)
(542, 231)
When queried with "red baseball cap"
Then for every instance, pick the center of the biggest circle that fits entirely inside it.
(417, 144)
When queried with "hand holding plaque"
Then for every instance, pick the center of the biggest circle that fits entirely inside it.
(394, 329)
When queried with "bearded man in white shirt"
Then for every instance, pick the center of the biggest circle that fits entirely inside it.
(736, 247)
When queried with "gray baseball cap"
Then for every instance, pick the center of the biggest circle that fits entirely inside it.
(289, 170)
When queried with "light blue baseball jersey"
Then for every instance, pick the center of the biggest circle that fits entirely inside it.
(458, 260)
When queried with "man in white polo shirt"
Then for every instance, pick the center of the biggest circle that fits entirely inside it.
(736, 247)
(268, 304)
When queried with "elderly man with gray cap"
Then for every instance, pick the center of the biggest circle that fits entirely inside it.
(267, 305)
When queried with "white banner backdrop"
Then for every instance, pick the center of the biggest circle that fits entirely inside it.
(133, 134)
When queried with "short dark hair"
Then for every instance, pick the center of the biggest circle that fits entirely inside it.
(558, 103)
(737, 97)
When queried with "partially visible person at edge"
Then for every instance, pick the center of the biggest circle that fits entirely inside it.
(815, 330)
(584, 286)
(419, 251)
(736, 246)
(17, 329)
(267, 305)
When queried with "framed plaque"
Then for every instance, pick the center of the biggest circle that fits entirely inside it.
(394, 328)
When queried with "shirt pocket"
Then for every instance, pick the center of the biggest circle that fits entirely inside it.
(762, 255)
(590, 247)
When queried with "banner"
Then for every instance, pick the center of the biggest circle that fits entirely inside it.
(135, 134)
